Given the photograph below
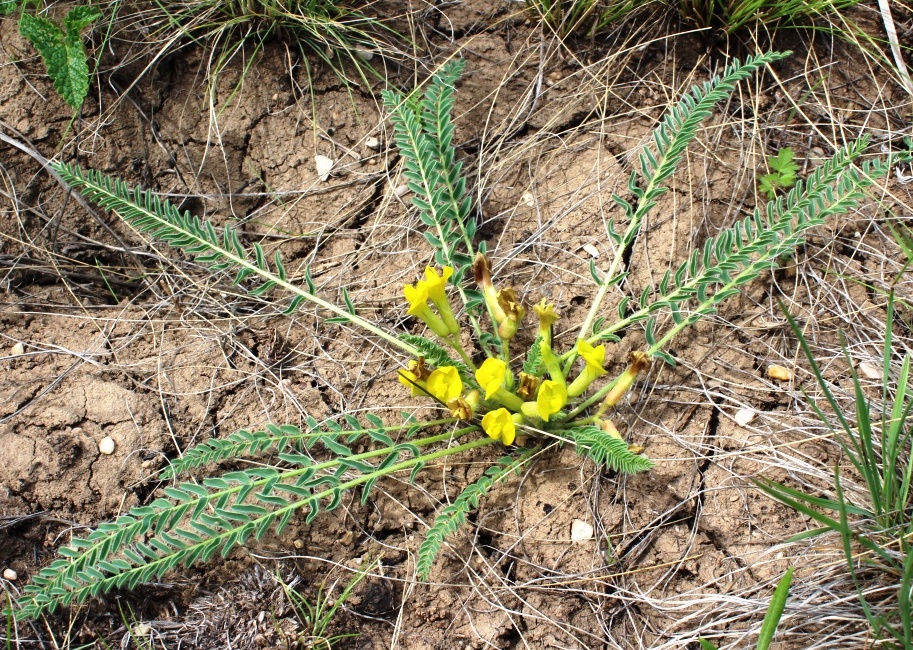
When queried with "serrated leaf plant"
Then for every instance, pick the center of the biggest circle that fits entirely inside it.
(518, 401)
(61, 49)
(782, 176)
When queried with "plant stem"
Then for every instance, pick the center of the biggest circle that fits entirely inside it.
(455, 344)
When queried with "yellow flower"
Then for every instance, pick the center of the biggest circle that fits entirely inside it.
(415, 377)
(435, 284)
(418, 297)
(444, 384)
(547, 318)
(490, 376)
(551, 398)
(499, 424)
(594, 357)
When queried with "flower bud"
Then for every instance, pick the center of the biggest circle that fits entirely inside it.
(547, 318)
(638, 362)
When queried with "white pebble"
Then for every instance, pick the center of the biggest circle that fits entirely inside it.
(17, 350)
(592, 250)
(869, 370)
(324, 166)
(364, 54)
(106, 445)
(581, 531)
(372, 143)
(9, 574)
(400, 191)
(743, 417)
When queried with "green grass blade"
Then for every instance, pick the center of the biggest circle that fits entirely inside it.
(775, 611)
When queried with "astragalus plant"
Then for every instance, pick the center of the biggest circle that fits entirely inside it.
(517, 399)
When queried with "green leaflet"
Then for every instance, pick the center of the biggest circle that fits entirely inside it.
(62, 51)
(423, 131)
(453, 516)
(739, 254)
(605, 450)
(659, 159)
(437, 356)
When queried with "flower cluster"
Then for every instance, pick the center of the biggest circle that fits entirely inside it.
(538, 398)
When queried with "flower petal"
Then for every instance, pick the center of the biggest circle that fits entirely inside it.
(490, 375)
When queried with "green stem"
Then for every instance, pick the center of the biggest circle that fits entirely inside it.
(627, 238)
(455, 344)
(595, 397)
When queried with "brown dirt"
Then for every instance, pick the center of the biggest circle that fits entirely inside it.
(160, 355)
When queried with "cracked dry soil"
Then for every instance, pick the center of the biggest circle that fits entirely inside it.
(159, 356)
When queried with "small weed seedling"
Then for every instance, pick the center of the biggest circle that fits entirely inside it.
(61, 49)
(317, 616)
(782, 176)
(515, 401)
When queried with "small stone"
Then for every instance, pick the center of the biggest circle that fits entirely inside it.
(17, 350)
(324, 166)
(106, 445)
(298, 544)
(869, 370)
(743, 417)
(364, 54)
(9, 574)
(372, 143)
(529, 199)
(400, 191)
(142, 630)
(146, 464)
(779, 373)
(592, 250)
(581, 531)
